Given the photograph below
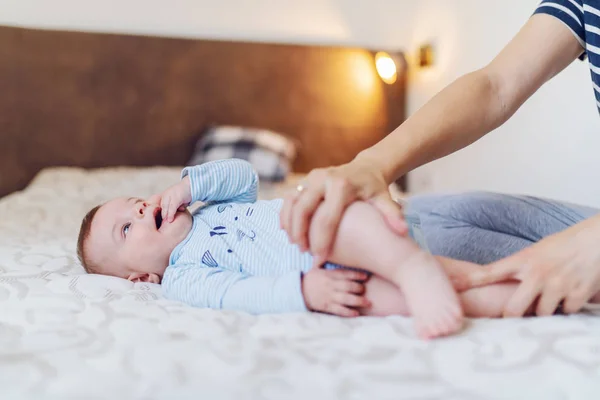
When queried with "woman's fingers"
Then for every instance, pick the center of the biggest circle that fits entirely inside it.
(576, 298)
(304, 208)
(313, 186)
(523, 298)
(285, 215)
(392, 212)
(338, 194)
(552, 294)
(499, 272)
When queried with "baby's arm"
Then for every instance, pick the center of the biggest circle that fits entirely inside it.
(216, 181)
(232, 180)
(217, 288)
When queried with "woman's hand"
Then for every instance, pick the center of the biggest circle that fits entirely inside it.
(564, 267)
(335, 188)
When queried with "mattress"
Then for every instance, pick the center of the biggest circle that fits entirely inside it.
(68, 335)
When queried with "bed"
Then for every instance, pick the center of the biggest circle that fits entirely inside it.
(79, 137)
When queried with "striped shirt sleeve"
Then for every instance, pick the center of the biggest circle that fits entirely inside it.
(570, 13)
(218, 288)
(232, 180)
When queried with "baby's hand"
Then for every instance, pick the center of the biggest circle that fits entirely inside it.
(336, 291)
(175, 198)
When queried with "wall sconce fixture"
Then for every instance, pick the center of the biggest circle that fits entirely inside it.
(387, 67)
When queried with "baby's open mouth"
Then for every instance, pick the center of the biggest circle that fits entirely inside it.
(158, 218)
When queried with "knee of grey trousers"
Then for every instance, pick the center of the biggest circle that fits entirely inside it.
(414, 230)
(483, 227)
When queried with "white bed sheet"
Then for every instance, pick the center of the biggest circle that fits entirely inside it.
(67, 335)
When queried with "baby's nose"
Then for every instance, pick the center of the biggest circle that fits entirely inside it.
(141, 208)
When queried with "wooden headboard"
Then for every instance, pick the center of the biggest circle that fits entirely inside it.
(95, 100)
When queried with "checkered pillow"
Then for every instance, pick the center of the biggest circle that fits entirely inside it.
(270, 153)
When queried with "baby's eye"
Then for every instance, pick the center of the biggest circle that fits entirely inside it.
(126, 229)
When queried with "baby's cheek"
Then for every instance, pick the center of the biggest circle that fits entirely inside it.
(145, 238)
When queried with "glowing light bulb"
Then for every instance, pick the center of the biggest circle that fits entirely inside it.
(386, 67)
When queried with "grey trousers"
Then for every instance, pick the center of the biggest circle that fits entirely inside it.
(483, 227)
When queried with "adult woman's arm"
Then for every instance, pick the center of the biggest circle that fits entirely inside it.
(466, 110)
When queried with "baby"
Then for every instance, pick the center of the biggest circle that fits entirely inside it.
(232, 254)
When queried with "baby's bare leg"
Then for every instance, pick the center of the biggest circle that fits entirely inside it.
(483, 302)
(365, 241)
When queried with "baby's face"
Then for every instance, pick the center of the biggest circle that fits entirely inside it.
(128, 239)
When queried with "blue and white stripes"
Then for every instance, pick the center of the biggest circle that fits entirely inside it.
(236, 256)
(231, 180)
(570, 12)
(582, 17)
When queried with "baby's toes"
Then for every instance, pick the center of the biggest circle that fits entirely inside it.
(449, 326)
(424, 331)
(456, 311)
(427, 327)
(439, 323)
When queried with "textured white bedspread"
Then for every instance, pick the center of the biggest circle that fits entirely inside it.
(66, 335)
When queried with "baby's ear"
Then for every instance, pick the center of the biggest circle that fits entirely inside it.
(143, 277)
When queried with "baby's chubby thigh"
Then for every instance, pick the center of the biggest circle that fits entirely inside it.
(291, 254)
(366, 230)
(365, 241)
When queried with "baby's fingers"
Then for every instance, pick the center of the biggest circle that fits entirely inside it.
(155, 199)
(350, 287)
(164, 205)
(351, 300)
(342, 311)
(173, 207)
(350, 275)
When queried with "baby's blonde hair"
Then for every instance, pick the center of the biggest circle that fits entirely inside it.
(84, 234)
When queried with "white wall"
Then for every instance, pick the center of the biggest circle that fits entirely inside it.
(547, 149)
(358, 22)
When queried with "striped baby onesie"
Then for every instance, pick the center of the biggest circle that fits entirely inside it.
(236, 256)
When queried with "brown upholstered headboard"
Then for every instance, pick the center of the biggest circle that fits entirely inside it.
(94, 100)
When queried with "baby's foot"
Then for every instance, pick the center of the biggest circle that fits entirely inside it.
(433, 303)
